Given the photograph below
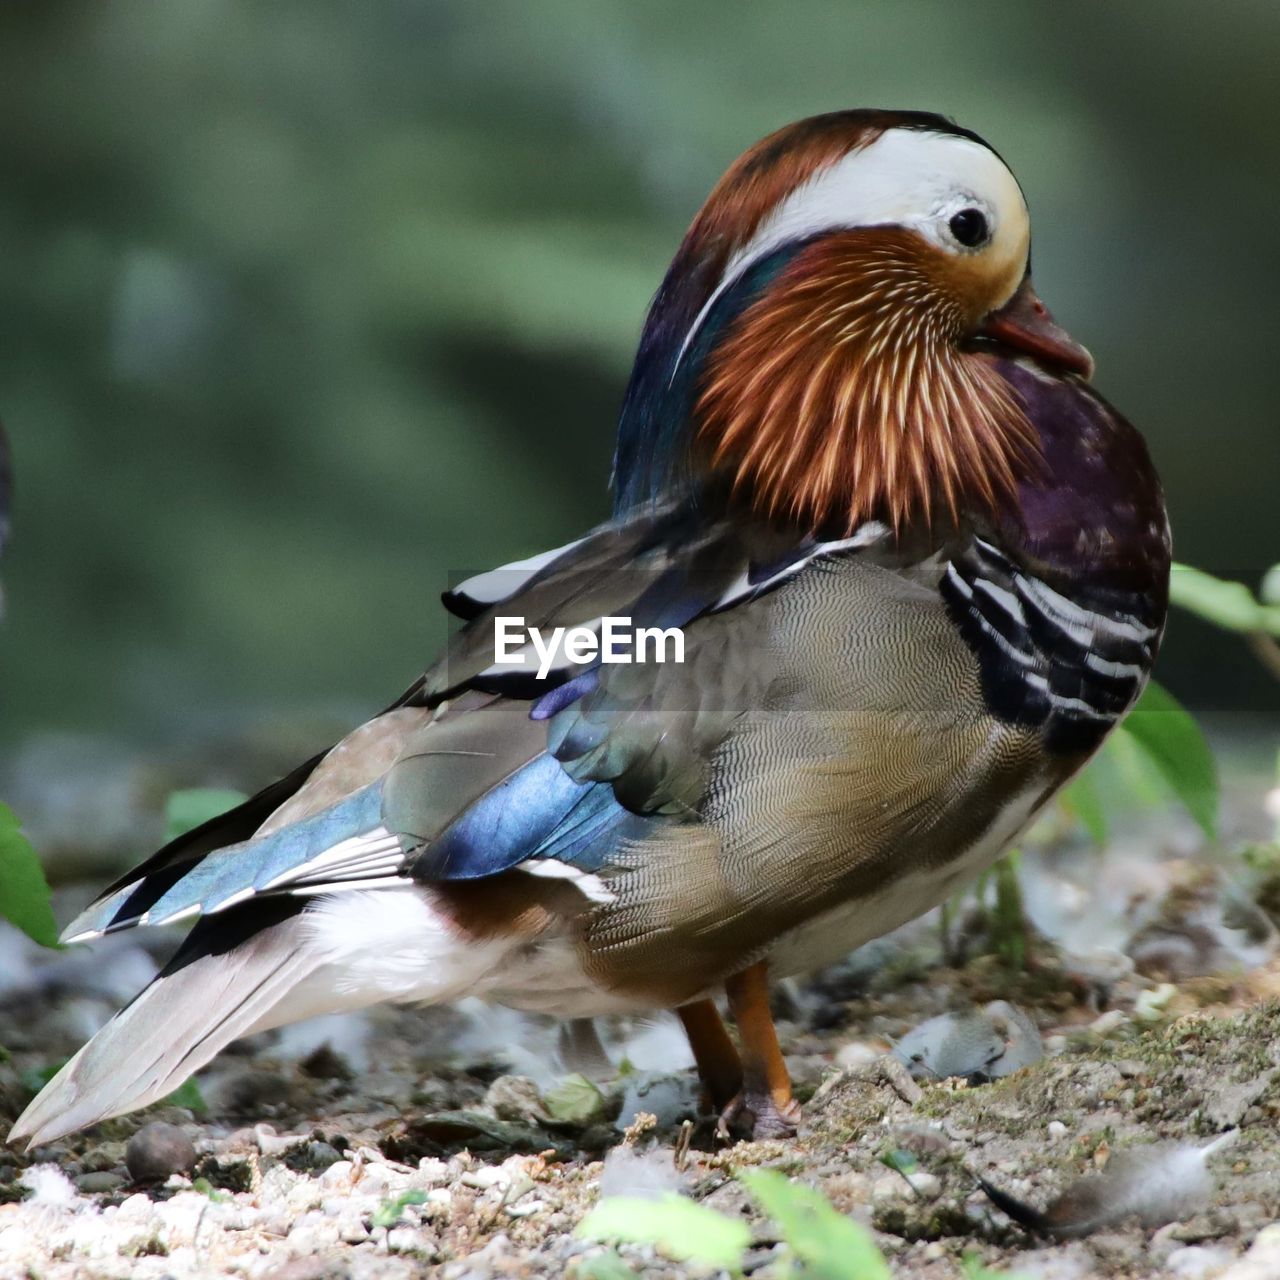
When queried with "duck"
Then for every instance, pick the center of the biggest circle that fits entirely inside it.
(918, 571)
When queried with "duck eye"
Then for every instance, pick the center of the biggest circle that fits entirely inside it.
(969, 226)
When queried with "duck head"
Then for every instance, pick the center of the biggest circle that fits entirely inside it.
(823, 345)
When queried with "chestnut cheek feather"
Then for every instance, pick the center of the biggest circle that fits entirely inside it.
(841, 395)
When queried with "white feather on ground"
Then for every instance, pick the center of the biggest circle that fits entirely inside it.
(645, 1174)
(1161, 1183)
(48, 1186)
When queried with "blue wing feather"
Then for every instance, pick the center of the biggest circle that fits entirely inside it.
(239, 870)
(539, 811)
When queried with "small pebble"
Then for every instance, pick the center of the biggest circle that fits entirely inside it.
(353, 1231)
(313, 1238)
(526, 1208)
(135, 1208)
(158, 1150)
(337, 1174)
(517, 1099)
(320, 1156)
(857, 1053)
(891, 1187)
(1104, 1024)
(1057, 1129)
(327, 1064)
(434, 1172)
(1194, 1262)
(99, 1183)
(1150, 1005)
(485, 1178)
(402, 1240)
(271, 1143)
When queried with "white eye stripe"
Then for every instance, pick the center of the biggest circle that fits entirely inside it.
(906, 177)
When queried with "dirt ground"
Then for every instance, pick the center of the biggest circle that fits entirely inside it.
(1158, 1000)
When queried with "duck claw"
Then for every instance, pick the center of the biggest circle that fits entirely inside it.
(769, 1118)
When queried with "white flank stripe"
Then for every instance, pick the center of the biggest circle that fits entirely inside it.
(350, 886)
(370, 847)
(497, 584)
(958, 582)
(240, 895)
(1121, 670)
(553, 869)
(1079, 623)
(1005, 600)
(744, 589)
(1064, 703)
(1059, 610)
(172, 918)
(1023, 659)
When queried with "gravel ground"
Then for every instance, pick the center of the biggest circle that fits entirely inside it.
(1158, 1001)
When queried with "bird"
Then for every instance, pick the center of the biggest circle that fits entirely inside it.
(919, 569)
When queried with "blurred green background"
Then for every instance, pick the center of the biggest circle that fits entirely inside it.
(305, 306)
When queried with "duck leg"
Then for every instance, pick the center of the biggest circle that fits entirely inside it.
(719, 1067)
(766, 1085)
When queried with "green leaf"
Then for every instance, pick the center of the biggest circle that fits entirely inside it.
(1083, 802)
(606, 1266)
(900, 1161)
(975, 1269)
(186, 810)
(387, 1214)
(679, 1228)
(574, 1100)
(1230, 605)
(1170, 738)
(188, 1095)
(831, 1246)
(1009, 928)
(34, 1079)
(24, 892)
(206, 1188)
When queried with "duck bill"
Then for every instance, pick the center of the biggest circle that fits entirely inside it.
(1024, 323)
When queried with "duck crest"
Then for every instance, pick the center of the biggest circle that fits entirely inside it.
(653, 429)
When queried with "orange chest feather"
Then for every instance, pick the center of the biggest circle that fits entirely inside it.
(841, 395)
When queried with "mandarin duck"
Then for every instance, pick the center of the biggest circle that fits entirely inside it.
(919, 569)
